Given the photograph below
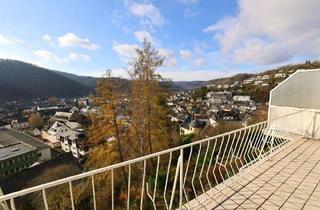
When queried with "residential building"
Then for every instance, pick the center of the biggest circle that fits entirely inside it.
(65, 116)
(258, 82)
(20, 124)
(16, 157)
(280, 75)
(265, 77)
(8, 137)
(74, 143)
(241, 98)
(54, 134)
(191, 126)
(19, 151)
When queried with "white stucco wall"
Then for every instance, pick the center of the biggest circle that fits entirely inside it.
(45, 154)
(298, 98)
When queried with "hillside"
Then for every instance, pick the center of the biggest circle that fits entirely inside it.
(229, 80)
(258, 89)
(85, 80)
(19, 80)
(189, 85)
(285, 69)
(125, 83)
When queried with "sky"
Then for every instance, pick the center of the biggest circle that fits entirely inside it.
(200, 39)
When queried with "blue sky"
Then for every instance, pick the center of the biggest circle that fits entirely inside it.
(201, 40)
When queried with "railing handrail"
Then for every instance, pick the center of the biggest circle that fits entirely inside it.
(125, 163)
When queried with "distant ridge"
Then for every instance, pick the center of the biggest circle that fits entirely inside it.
(92, 81)
(20, 80)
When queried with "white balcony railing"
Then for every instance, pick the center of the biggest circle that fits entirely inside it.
(171, 178)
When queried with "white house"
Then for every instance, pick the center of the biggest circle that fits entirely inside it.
(280, 75)
(54, 134)
(74, 143)
(239, 98)
(248, 81)
(20, 124)
(77, 148)
(64, 116)
(258, 82)
(265, 77)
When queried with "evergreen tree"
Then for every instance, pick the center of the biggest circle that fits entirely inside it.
(149, 122)
(108, 132)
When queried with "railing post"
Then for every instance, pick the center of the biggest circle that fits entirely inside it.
(176, 176)
(272, 141)
(181, 179)
(13, 206)
(314, 125)
(305, 132)
(93, 193)
(45, 201)
(71, 196)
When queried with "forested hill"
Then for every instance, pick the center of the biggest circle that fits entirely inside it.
(258, 92)
(286, 69)
(19, 80)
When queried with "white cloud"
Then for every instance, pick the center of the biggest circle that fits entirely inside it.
(141, 35)
(127, 52)
(10, 40)
(270, 31)
(46, 37)
(77, 57)
(5, 41)
(189, 1)
(47, 55)
(189, 13)
(149, 14)
(118, 17)
(17, 40)
(185, 54)
(50, 56)
(196, 56)
(72, 40)
(170, 59)
(199, 62)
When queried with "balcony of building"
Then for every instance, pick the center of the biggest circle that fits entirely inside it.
(269, 165)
